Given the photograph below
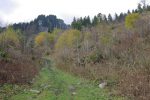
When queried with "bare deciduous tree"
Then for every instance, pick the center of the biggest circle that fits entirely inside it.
(144, 3)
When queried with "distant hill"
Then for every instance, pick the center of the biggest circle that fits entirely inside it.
(40, 24)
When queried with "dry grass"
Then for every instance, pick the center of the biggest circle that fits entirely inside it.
(135, 84)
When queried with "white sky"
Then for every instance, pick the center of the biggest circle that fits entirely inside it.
(12, 11)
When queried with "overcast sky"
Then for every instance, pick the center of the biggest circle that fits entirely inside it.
(12, 11)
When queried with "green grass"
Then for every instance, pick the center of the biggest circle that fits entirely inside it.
(54, 84)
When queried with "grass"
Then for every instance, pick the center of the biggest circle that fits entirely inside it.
(54, 84)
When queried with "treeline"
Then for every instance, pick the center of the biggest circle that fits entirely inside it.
(100, 18)
(40, 24)
(80, 23)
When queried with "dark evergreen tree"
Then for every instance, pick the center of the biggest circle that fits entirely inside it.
(110, 19)
(116, 17)
(128, 12)
(121, 17)
(95, 21)
(88, 21)
(136, 11)
(100, 17)
(105, 19)
(133, 11)
(77, 23)
(140, 9)
(148, 8)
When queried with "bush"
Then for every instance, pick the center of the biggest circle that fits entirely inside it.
(17, 67)
(47, 39)
(68, 39)
(41, 38)
(3, 55)
(142, 26)
(131, 19)
(9, 38)
(96, 57)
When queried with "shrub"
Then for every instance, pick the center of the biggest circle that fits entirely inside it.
(96, 57)
(48, 39)
(142, 25)
(106, 39)
(68, 39)
(131, 19)
(9, 38)
(41, 38)
(3, 55)
(17, 67)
